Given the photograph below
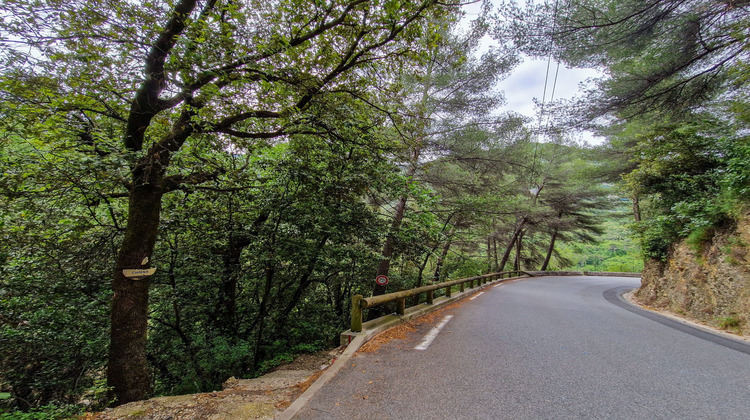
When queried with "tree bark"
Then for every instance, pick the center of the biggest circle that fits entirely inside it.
(511, 244)
(441, 260)
(384, 265)
(262, 312)
(385, 255)
(127, 370)
(550, 249)
(636, 209)
(489, 254)
(517, 264)
(494, 251)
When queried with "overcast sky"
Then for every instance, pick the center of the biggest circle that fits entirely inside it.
(526, 83)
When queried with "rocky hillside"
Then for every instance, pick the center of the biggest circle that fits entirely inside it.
(709, 282)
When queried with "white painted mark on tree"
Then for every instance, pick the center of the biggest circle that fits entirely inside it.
(433, 333)
(476, 296)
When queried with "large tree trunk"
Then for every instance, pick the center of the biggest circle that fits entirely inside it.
(517, 264)
(384, 265)
(511, 244)
(490, 268)
(226, 303)
(494, 252)
(441, 260)
(550, 249)
(385, 255)
(636, 209)
(262, 312)
(127, 370)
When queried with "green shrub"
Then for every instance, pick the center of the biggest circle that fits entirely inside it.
(699, 238)
(47, 412)
(729, 322)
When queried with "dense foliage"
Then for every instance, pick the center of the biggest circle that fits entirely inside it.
(673, 104)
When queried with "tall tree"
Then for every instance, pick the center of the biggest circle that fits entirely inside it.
(161, 76)
(450, 94)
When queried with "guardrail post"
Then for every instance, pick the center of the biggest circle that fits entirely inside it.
(461, 287)
(448, 291)
(401, 306)
(429, 297)
(356, 313)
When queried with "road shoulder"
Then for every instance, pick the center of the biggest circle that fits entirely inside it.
(616, 297)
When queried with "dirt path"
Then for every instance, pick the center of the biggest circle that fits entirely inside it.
(259, 398)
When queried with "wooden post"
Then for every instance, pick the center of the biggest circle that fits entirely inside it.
(429, 297)
(461, 287)
(356, 313)
(448, 291)
(401, 306)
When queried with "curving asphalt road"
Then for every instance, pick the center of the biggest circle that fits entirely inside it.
(545, 348)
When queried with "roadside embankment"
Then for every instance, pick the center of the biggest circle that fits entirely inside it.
(709, 283)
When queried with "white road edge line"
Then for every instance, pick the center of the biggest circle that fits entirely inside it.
(476, 296)
(432, 334)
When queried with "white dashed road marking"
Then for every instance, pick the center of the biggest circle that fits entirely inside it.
(433, 333)
(477, 295)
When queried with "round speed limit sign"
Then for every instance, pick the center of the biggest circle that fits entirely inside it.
(381, 280)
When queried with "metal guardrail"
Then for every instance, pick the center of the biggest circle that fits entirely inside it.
(359, 302)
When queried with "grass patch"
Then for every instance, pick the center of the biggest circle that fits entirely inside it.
(729, 322)
(699, 237)
(4, 396)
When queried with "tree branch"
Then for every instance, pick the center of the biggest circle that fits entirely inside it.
(147, 104)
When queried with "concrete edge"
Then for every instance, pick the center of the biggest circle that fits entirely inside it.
(355, 341)
(629, 297)
(300, 402)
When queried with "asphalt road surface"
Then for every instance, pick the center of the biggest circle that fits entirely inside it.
(545, 348)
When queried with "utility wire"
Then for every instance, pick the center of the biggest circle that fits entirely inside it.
(544, 94)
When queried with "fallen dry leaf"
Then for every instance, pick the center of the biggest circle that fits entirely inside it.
(401, 332)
